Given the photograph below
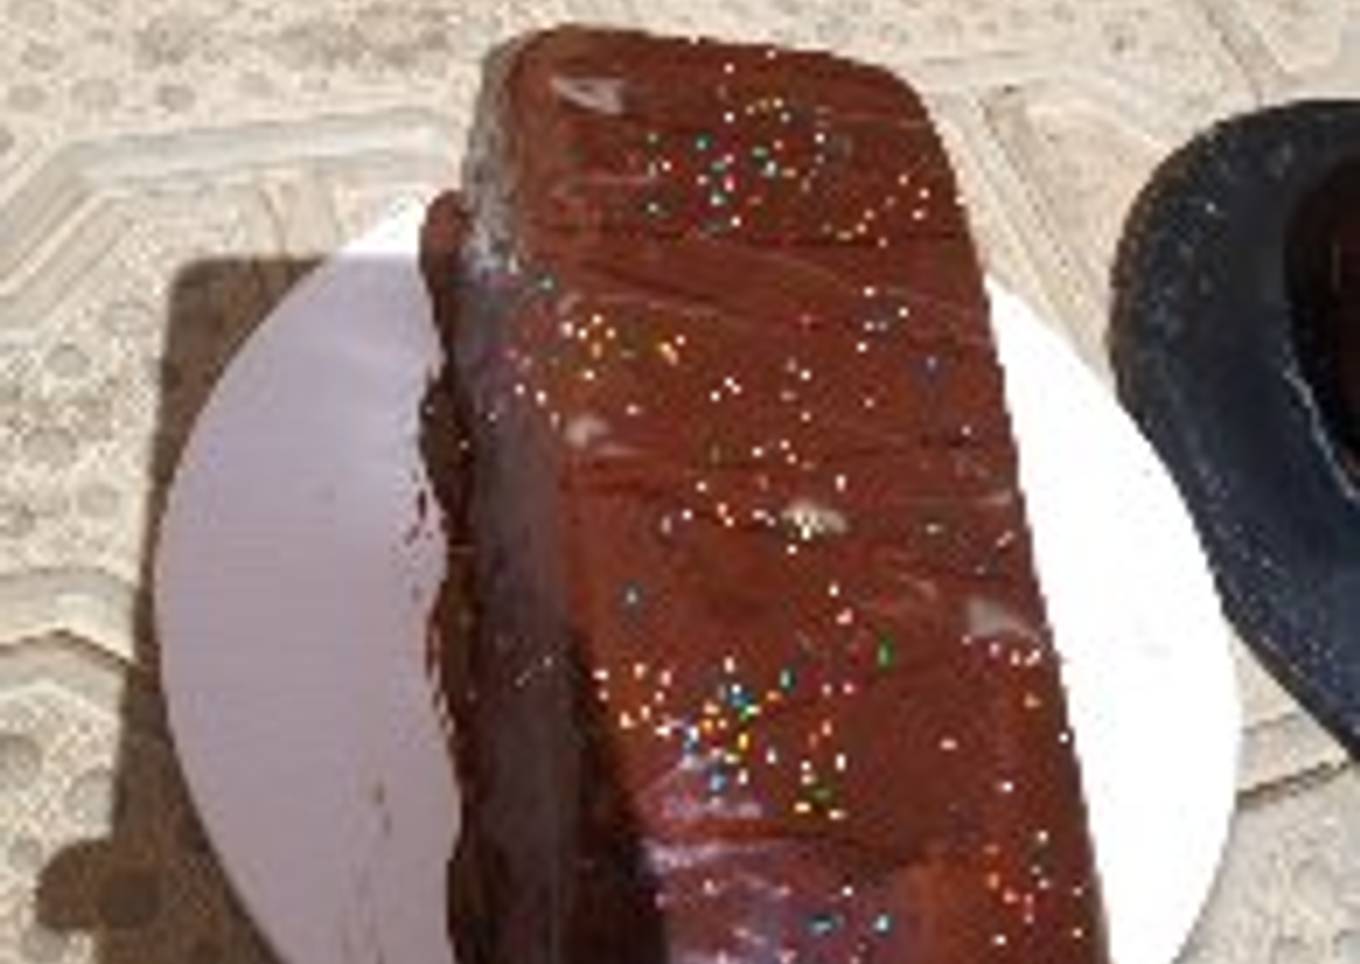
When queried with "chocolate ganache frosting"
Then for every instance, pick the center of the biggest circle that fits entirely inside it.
(743, 647)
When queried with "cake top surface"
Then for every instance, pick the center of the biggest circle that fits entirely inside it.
(745, 447)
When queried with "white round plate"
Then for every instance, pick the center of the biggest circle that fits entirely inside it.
(295, 572)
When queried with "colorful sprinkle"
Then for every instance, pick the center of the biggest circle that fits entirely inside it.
(631, 596)
(820, 925)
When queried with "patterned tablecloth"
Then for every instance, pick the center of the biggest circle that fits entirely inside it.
(169, 167)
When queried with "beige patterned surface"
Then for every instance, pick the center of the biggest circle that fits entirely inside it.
(169, 167)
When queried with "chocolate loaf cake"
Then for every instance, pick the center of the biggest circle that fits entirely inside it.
(758, 668)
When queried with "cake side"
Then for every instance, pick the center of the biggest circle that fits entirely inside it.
(762, 667)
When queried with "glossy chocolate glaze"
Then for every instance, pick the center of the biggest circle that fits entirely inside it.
(760, 670)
